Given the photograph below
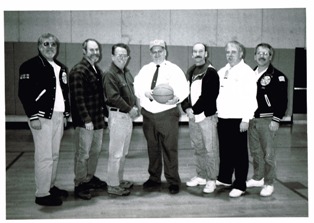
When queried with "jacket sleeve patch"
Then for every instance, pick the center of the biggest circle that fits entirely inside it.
(24, 76)
(282, 78)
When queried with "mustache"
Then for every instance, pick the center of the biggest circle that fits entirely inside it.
(198, 57)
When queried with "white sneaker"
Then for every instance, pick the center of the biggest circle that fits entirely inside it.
(196, 181)
(236, 193)
(255, 183)
(218, 183)
(267, 190)
(210, 187)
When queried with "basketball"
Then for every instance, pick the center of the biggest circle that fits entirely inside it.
(162, 93)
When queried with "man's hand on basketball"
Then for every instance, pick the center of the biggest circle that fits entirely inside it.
(173, 101)
(149, 95)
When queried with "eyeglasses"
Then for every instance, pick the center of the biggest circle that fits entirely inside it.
(262, 53)
(157, 52)
(51, 44)
(122, 56)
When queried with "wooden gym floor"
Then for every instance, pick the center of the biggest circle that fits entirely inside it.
(290, 198)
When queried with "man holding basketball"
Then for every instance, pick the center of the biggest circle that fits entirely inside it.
(201, 108)
(161, 121)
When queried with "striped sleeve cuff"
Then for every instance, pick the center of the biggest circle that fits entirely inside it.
(276, 119)
(33, 117)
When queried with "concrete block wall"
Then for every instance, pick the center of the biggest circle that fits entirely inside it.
(284, 29)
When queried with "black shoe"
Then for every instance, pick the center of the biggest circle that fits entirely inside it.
(48, 201)
(82, 191)
(55, 191)
(151, 184)
(173, 189)
(96, 183)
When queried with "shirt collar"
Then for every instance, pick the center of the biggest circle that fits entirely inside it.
(116, 69)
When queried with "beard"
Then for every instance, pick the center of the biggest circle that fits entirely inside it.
(94, 57)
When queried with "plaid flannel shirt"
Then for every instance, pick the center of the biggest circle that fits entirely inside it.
(87, 97)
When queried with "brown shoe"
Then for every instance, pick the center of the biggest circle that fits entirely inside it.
(96, 183)
(82, 191)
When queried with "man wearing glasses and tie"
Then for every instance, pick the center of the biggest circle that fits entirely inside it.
(43, 91)
(161, 121)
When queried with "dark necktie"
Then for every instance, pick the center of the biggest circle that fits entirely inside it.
(155, 77)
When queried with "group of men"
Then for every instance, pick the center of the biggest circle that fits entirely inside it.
(230, 110)
(221, 106)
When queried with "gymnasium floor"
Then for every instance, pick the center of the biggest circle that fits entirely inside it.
(290, 198)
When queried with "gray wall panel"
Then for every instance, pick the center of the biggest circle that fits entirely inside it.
(191, 26)
(241, 25)
(140, 27)
(104, 26)
(33, 24)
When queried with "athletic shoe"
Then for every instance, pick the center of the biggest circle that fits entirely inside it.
(255, 183)
(195, 181)
(267, 190)
(126, 184)
(236, 193)
(118, 191)
(48, 201)
(218, 183)
(210, 187)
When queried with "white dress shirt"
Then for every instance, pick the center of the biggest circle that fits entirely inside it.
(169, 73)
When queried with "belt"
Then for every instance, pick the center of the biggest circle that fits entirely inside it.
(117, 110)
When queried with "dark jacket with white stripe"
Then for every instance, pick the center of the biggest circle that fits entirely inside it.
(210, 89)
(37, 87)
(272, 95)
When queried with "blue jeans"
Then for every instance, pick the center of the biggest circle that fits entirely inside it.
(120, 132)
(204, 141)
(88, 145)
(262, 149)
(47, 142)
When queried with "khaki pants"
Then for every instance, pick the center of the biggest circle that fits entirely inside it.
(47, 145)
(120, 131)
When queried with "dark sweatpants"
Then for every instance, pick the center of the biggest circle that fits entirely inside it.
(233, 151)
